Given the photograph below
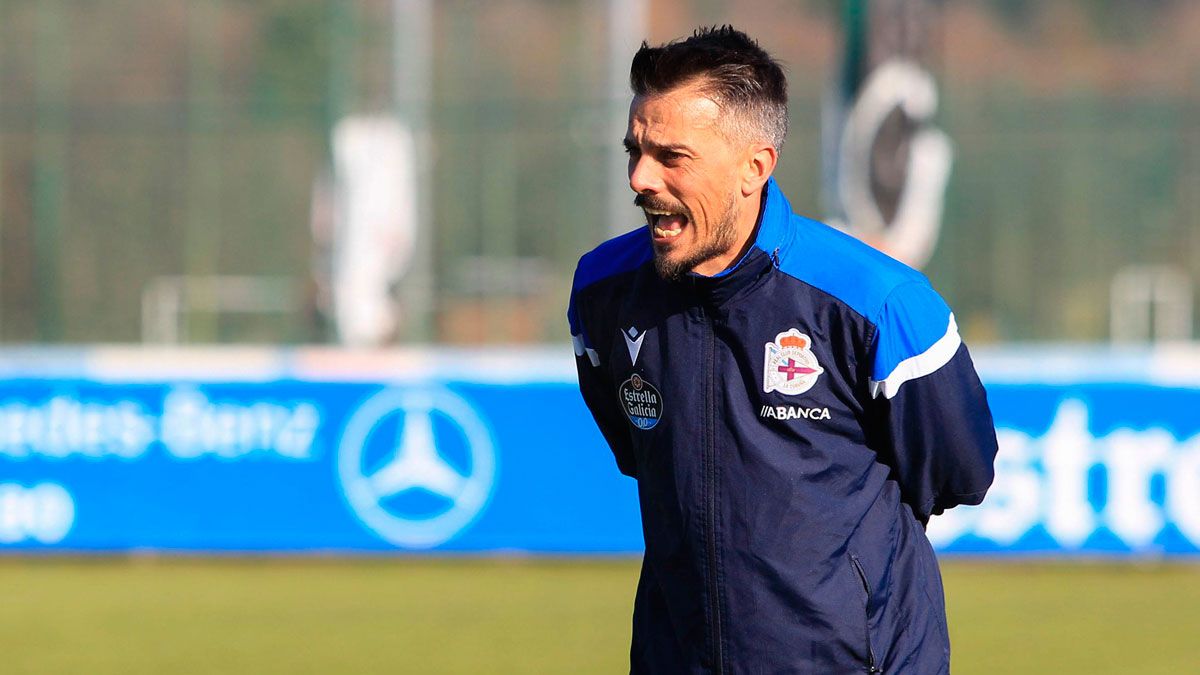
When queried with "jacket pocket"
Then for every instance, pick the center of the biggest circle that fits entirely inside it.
(872, 666)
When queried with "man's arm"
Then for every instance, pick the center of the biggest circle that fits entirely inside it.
(599, 393)
(932, 424)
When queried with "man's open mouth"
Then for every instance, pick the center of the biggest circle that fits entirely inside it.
(665, 224)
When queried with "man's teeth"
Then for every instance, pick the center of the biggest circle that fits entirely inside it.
(673, 229)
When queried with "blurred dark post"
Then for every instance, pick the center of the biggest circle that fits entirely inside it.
(343, 82)
(877, 31)
(900, 30)
(49, 173)
(886, 165)
(854, 70)
(202, 241)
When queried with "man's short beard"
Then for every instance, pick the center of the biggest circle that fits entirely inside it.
(724, 236)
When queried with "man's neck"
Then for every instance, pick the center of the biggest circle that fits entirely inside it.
(749, 219)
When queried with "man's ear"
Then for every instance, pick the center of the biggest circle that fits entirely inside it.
(759, 166)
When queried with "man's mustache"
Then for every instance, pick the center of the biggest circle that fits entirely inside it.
(645, 201)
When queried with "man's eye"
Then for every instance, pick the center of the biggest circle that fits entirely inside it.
(672, 156)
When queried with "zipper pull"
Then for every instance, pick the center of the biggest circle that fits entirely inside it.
(775, 257)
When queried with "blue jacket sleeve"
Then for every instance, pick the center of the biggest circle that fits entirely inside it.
(932, 424)
(598, 390)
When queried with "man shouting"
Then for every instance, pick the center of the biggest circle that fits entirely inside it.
(793, 404)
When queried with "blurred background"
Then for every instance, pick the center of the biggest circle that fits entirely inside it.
(159, 157)
(258, 255)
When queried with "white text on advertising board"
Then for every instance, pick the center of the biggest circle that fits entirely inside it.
(190, 426)
(1151, 479)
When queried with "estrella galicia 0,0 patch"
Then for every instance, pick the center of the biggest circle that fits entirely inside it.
(641, 401)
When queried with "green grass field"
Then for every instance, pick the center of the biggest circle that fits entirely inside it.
(186, 616)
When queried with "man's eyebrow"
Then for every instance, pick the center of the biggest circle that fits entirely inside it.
(670, 147)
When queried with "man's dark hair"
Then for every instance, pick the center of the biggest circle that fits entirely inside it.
(730, 68)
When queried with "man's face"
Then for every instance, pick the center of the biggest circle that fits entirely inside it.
(685, 172)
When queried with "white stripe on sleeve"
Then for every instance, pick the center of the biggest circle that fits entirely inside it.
(928, 361)
(580, 350)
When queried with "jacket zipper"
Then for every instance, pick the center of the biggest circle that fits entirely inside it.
(710, 493)
(862, 576)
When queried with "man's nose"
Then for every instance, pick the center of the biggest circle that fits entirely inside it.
(644, 176)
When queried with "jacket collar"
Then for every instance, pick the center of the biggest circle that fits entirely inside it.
(775, 228)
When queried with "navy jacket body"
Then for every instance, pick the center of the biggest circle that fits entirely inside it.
(792, 424)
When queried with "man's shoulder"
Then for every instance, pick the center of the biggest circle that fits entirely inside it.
(621, 254)
(847, 269)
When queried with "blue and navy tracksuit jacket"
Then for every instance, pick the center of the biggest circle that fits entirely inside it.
(792, 423)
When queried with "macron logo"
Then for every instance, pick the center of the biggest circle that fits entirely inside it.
(633, 341)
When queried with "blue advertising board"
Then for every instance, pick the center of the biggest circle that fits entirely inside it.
(318, 451)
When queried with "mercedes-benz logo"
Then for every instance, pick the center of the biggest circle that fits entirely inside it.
(378, 470)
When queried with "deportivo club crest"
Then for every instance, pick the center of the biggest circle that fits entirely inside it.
(641, 402)
(791, 367)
